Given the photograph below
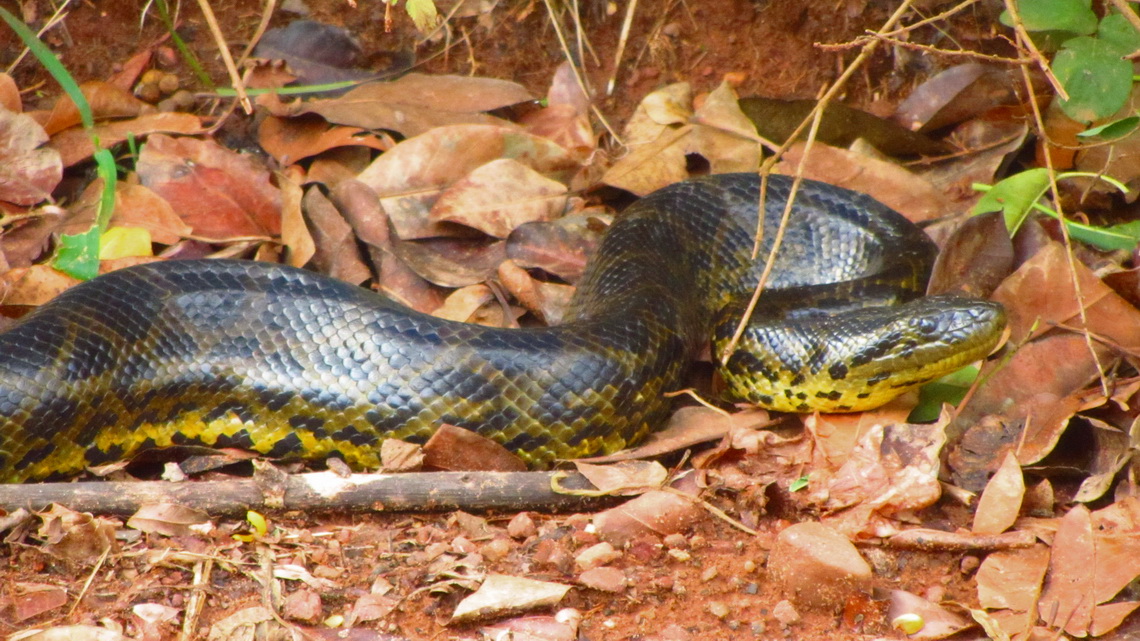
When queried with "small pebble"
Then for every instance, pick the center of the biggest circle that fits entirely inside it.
(718, 609)
(521, 526)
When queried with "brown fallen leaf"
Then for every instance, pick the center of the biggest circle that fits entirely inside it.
(566, 117)
(456, 449)
(956, 94)
(137, 206)
(452, 262)
(501, 594)
(290, 140)
(938, 622)
(75, 145)
(296, 240)
(219, 193)
(29, 172)
(10, 94)
(560, 247)
(893, 185)
(29, 600)
(75, 537)
(411, 176)
(497, 197)
(105, 100)
(624, 478)
(657, 513)
(337, 252)
(976, 258)
(1066, 602)
(168, 519)
(417, 103)
(1000, 502)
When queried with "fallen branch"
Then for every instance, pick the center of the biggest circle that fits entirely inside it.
(316, 491)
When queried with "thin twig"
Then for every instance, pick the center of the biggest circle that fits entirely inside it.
(812, 121)
(622, 40)
(227, 59)
(1055, 193)
(1034, 52)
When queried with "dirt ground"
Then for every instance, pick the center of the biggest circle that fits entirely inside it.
(709, 583)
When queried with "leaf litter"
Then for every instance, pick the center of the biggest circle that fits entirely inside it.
(509, 194)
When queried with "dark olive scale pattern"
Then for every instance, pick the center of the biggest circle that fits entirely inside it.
(292, 364)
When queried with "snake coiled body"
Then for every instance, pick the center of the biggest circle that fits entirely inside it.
(289, 363)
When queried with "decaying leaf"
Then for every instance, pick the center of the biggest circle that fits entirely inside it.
(501, 594)
(28, 171)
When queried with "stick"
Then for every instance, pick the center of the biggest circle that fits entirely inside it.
(314, 491)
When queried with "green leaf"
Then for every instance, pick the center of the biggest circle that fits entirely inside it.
(423, 13)
(1096, 78)
(1113, 130)
(78, 254)
(798, 484)
(1073, 16)
(1125, 236)
(1117, 32)
(951, 389)
(1014, 197)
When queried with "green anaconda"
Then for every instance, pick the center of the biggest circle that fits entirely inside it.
(289, 363)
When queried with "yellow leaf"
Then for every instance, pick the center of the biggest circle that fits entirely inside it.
(124, 242)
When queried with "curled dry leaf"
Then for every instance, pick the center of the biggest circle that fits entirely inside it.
(938, 622)
(169, 519)
(10, 94)
(956, 94)
(976, 259)
(417, 103)
(452, 262)
(28, 172)
(75, 536)
(559, 247)
(290, 140)
(624, 477)
(219, 193)
(75, 633)
(75, 145)
(501, 594)
(410, 177)
(656, 513)
(336, 251)
(547, 301)
(106, 101)
(456, 449)
(497, 197)
(295, 237)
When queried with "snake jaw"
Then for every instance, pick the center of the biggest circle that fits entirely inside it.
(860, 360)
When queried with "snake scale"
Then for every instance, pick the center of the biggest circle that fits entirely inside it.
(288, 363)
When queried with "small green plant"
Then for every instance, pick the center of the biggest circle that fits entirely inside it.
(77, 254)
(1090, 62)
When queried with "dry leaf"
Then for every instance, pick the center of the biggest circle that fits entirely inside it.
(410, 177)
(497, 197)
(1000, 502)
(28, 171)
(500, 594)
(417, 103)
(219, 193)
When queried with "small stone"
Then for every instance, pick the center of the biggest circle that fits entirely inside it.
(709, 573)
(596, 555)
(785, 613)
(674, 632)
(303, 605)
(676, 542)
(758, 628)
(718, 609)
(752, 588)
(462, 545)
(521, 526)
(604, 579)
(680, 555)
(969, 564)
(817, 566)
(673, 29)
(749, 566)
(496, 549)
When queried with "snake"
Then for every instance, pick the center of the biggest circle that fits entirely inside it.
(292, 364)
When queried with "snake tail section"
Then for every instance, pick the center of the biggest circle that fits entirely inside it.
(291, 364)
